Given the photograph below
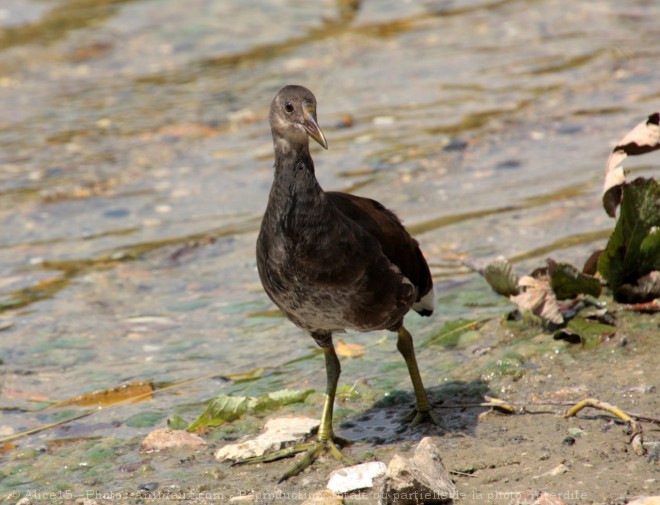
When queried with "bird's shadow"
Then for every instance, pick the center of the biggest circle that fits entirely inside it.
(454, 403)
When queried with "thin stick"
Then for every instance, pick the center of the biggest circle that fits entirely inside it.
(636, 439)
(47, 426)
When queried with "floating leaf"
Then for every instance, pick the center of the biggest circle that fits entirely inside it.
(569, 282)
(246, 376)
(499, 274)
(452, 331)
(277, 399)
(349, 350)
(538, 297)
(643, 138)
(133, 392)
(633, 250)
(225, 408)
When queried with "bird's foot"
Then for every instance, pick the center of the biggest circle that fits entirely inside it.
(418, 416)
(312, 450)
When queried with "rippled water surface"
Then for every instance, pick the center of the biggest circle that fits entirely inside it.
(135, 164)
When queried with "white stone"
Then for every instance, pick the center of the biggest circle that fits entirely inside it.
(354, 478)
(278, 433)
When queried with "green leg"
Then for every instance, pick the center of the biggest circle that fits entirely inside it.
(423, 410)
(332, 370)
(326, 439)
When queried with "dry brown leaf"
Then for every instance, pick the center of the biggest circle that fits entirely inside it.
(538, 297)
(6, 447)
(643, 138)
(349, 350)
(133, 392)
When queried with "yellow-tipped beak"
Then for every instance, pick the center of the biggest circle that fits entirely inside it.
(311, 125)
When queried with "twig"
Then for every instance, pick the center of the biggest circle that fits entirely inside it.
(636, 439)
(46, 426)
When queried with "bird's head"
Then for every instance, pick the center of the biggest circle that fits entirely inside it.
(293, 118)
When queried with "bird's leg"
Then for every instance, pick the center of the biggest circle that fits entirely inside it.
(422, 411)
(326, 439)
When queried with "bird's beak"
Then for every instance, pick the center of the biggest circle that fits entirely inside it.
(310, 124)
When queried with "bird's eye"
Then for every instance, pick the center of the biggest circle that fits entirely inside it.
(288, 107)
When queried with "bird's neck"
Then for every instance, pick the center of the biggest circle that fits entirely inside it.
(294, 171)
(295, 192)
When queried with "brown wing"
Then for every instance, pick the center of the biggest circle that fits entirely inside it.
(396, 243)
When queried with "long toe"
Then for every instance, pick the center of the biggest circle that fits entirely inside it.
(319, 447)
(416, 417)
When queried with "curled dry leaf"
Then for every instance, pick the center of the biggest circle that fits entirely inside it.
(643, 138)
(499, 274)
(645, 290)
(538, 297)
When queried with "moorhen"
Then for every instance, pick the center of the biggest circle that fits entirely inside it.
(333, 262)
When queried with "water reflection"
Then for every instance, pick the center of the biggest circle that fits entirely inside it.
(135, 161)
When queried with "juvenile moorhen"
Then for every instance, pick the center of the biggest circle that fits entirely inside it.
(333, 261)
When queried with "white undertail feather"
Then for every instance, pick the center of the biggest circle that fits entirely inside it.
(426, 303)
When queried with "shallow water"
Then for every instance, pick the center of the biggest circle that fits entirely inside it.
(135, 163)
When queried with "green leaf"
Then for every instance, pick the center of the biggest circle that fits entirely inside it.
(221, 410)
(451, 332)
(585, 332)
(176, 422)
(224, 408)
(633, 249)
(568, 282)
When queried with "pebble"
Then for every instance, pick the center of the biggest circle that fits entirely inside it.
(278, 433)
(353, 478)
(247, 499)
(533, 497)
(324, 497)
(163, 438)
(558, 470)
(645, 500)
(420, 479)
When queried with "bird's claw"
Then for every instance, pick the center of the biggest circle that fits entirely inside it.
(312, 450)
(417, 416)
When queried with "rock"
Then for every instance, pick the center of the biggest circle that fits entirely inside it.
(645, 500)
(421, 479)
(324, 497)
(278, 434)
(164, 438)
(354, 478)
